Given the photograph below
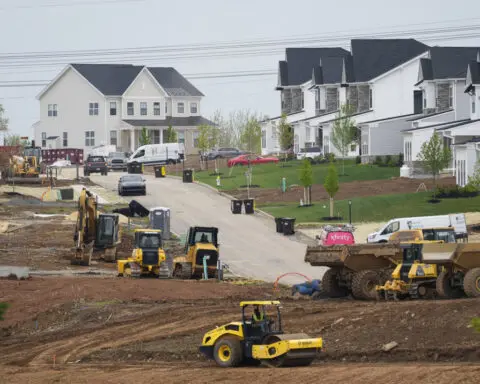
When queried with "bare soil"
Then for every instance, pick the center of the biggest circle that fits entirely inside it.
(347, 190)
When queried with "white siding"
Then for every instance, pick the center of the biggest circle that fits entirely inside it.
(386, 137)
(418, 138)
(461, 101)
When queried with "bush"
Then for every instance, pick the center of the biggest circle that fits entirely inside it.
(400, 160)
(457, 192)
(330, 157)
(358, 160)
(378, 160)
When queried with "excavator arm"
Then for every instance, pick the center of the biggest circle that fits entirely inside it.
(85, 229)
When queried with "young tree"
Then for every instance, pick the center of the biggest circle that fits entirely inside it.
(12, 140)
(203, 141)
(251, 137)
(3, 309)
(331, 184)
(344, 132)
(170, 135)
(434, 157)
(474, 180)
(286, 134)
(306, 178)
(144, 138)
(3, 120)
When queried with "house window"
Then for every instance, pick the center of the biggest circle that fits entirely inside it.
(473, 105)
(89, 138)
(193, 108)
(113, 138)
(156, 108)
(450, 96)
(65, 139)
(130, 109)
(195, 139)
(370, 98)
(264, 139)
(353, 148)
(181, 137)
(44, 139)
(93, 109)
(181, 107)
(52, 110)
(156, 136)
(113, 108)
(143, 108)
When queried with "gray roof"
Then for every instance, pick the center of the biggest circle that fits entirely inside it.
(191, 121)
(444, 125)
(473, 74)
(447, 63)
(459, 123)
(299, 63)
(373, 57)
(390, 118)
(114, 79)
(329, 71)
(421, 117)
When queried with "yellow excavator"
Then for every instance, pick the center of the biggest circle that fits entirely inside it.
(259, 339)
(148, 257)
(201, 248)
(94, 231)
(26, 166)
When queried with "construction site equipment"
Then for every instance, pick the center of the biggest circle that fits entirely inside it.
(148, 257)
(412, 277)
(94, 231)
(259, 339)
(201, 243)
(445, 234)
(354, 269)
(188, 176)
(159, 218)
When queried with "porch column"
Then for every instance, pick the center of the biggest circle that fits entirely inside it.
(132, 140)
(161, 136)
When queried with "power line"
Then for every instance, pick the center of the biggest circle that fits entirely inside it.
(70, 4)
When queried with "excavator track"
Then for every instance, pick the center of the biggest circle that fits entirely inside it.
(164, 271)
(135, 270)
(293, 358)
(183, 271)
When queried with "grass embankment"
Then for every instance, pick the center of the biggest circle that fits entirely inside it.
(375, 208)
(270, 175)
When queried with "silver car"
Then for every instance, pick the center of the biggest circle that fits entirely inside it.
(132, 184)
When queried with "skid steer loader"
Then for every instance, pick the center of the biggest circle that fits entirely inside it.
(148, 257)
(201, 244)
(259, 339)
(94, 231)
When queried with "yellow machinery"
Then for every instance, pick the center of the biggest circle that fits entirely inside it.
(148, 257)
(24, 166)
(201, 248)
(412, 277)
(258, 339)
(93, 231)
(445, 234)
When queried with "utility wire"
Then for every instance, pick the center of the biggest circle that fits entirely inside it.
(69, 4)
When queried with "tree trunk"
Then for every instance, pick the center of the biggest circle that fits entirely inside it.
(343, 166)
(310, 195)
(305, 195)
(331, 206)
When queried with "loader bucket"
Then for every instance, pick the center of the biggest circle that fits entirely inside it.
(360, 257)
(322, 256)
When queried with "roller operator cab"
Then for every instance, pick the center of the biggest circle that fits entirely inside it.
(201, 244)
(148, 257)
(258, 338)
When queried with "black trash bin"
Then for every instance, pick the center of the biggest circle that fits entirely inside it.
(288, 226)
(279, 224)
(249, 206)
(160, 171)
(188, 176)
(134, 167)
(236, 206)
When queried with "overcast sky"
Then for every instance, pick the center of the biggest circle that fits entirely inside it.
(52, 25)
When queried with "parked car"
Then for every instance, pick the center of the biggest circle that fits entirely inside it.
(95, 164)
(132, 184)
(251, 159)
(222, 153)
(309, 153)
(117, 160)
(158, 154)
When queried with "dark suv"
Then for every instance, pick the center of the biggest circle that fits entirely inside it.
(95, 164)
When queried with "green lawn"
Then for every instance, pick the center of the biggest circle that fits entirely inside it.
(270, 175)
(375, 208)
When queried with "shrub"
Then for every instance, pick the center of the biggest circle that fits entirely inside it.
(457, 192)
(330, 157)
(358, 160)
(400, 160)
(378, 160)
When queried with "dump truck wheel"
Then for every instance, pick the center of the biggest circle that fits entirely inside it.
(471, 283)
(330, 284)
(445, 289)
(363, 284)
(228, 352)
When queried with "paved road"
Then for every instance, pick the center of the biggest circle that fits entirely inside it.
(248, 244)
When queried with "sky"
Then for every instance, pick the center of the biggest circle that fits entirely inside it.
(65, 25)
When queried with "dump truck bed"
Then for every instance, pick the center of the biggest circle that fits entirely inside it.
(324, 256)
(463, 255)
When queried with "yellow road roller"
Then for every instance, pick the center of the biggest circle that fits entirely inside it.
(259, 338)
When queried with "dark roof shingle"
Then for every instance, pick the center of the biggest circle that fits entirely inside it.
(173, 82)
(451, 62)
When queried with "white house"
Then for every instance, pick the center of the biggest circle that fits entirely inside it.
(87, 105)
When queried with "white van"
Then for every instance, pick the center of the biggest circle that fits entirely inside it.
(153, 154)
(457, 221)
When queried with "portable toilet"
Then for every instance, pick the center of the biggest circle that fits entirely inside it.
(159, 218)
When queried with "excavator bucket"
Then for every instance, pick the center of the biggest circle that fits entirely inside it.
(83, 255)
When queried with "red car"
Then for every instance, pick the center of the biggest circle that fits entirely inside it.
(252, 159)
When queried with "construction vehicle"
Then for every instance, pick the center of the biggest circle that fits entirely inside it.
(94, 231)
(259, 339)
(445, 234)
(201, 247)
(412, 277)
(148, 257)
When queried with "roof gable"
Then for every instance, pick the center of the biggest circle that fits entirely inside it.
(451, 62)
(173, 82)
(373, 57)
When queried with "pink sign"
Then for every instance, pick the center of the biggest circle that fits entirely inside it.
(339, 238)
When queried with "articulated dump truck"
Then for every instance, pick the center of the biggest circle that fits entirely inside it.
(354, 269)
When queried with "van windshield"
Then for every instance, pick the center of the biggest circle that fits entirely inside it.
(140, 153)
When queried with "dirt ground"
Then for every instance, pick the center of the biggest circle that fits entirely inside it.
(346, 191)
(116, 330)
